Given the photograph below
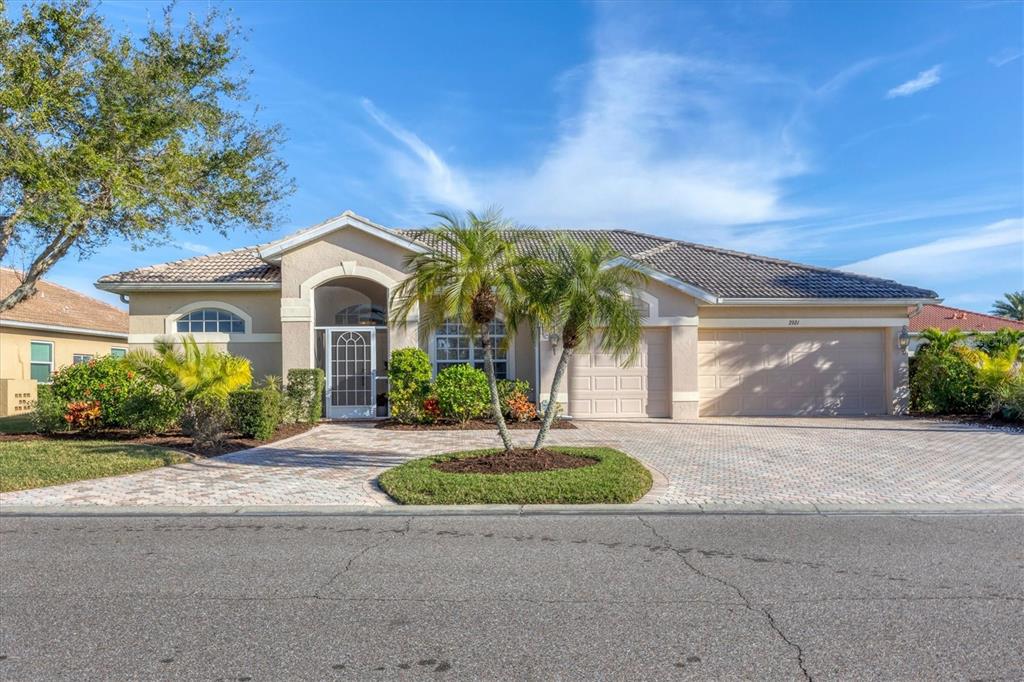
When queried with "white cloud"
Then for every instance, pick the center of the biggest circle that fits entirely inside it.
(658, 140)
(991, 249)
(1005, 56)
(194, 247)
(924, 80)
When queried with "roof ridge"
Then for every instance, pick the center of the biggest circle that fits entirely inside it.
(179, 261)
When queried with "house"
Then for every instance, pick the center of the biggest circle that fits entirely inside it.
(726, 333)
(55, 327)
(944, 318)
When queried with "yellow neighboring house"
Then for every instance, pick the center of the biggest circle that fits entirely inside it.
(54, 328)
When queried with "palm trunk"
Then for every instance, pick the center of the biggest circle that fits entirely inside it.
(549, 412)
(492, 382)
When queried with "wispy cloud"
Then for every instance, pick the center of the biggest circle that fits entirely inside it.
(194, 247)
(926, 79)
(1005, 56)
(656, 140)
(993, 248)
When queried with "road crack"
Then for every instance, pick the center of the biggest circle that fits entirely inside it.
(747, 603)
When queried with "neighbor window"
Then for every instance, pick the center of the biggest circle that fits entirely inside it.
(79, 358)
(118, 352)
(41, 366)
(211, 320)
(452, 347)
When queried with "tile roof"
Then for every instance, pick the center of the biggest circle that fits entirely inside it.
(237, 265)
(723, 273)
(59, 306)
(945, 318)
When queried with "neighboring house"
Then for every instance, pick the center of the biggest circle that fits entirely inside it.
(55, 327)
(727, 333)
(944, 318)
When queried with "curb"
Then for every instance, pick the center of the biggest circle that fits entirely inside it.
(641, 509)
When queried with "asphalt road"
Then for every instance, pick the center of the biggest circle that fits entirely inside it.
(574, 597)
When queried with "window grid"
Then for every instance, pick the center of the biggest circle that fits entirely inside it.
(211, 320)
(79, 358)
(118, 352)
(452, 347)
(41, 361)
(351, 367)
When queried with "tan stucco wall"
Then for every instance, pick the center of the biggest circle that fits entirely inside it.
(149, 310)
(15, 349)
(346, 245)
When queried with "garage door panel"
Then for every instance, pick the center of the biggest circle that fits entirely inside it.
(789, 372)
(600, 388)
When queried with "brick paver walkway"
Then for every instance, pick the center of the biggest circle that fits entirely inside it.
(826, 461)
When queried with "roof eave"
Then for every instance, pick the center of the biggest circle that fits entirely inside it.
(274, 251)
(61, 329)
(724, 300)
(128, 287)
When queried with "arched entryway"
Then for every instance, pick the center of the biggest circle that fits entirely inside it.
(351, 345)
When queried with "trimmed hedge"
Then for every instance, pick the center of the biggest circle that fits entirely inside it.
(617, 478)
(462, 392)
(255, 412)
(305, 394)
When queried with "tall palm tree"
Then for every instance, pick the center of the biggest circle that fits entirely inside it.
(577, 294)
(1012, 306)
(469, 274)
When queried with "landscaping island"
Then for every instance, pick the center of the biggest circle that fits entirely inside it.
(559, 475)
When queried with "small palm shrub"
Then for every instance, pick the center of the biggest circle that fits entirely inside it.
(304, 395)
(255, 412)
(998, 341)
(408, 383)
(462, 392)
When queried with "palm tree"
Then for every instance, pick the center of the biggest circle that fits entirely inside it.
(193, 372)
(576, 294)
(1012, 306)
(470, 272)
(934, 340)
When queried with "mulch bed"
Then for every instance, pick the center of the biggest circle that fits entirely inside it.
(471, 425)
(995, 422)
(514, 461)
(173, 440)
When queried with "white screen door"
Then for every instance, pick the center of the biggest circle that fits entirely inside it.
(351, 372)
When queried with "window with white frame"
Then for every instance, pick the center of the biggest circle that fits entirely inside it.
(118, 352)
(211, 320)
(453, 347)
(41, 361)
(79, 358)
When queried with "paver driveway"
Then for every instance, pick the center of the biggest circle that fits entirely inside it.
(828, 461)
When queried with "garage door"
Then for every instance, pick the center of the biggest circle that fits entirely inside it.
(786, 372)
(600, 389)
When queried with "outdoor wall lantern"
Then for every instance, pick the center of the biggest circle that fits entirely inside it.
(904, 338)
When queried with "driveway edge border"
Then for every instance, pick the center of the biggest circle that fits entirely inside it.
(518, 510)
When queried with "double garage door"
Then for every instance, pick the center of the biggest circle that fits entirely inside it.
(789, 372)
(740, 372)
(600, 389)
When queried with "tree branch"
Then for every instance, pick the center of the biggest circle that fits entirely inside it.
(53, 252)
(7, 229)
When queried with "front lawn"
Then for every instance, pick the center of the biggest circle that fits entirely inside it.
(36, 463)
(617, 478)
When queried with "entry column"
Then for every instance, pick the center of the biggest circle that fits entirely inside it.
(685, 391)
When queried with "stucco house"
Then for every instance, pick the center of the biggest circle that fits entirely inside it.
(726, 333)
(57, 326)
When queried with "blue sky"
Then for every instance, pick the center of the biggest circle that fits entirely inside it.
(882, 138)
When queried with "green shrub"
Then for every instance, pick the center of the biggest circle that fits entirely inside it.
(408, 383)
(154, 410)
(255, 412)
(206, 419)
(50, 410)
(462, 392)
(108, 380)
(946, 382)
(305, 393)
(512, 391)
(999, 341)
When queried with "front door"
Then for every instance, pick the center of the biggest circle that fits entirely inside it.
(351, 372)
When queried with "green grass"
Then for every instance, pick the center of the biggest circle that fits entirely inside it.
(17, 423)
(616, 478)
(37, 463)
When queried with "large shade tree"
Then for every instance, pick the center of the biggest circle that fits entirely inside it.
(469, 274)
(579, 293)
(107, 137)
(1011, 306)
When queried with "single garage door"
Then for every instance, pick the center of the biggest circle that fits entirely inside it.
(789, 372)
(600, 389)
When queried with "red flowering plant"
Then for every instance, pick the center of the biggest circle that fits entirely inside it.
(108, 382)
(431, 410)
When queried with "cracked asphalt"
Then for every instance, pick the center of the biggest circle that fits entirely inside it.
(839, 597)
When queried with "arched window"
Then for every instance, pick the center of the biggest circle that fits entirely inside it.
(452, 347)
(364, 314)
(211, 320)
